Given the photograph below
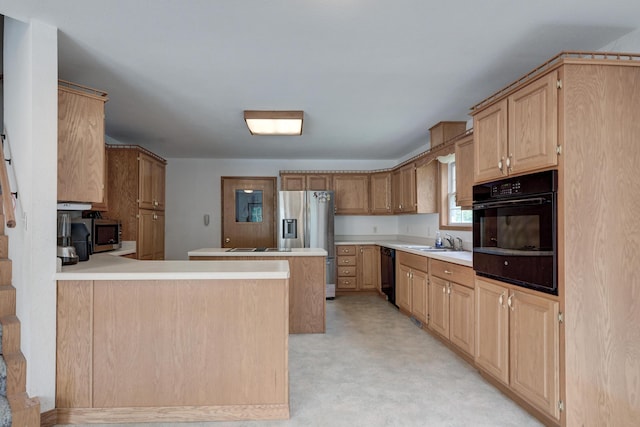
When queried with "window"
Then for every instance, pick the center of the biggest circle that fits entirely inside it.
(248, 205)
(451, 215)
(457, 216)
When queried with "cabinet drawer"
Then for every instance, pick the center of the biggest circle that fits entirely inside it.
(345, 250)
(347, 260)
(414, 261)
(346, 271)
(452, 272)
(347, 283)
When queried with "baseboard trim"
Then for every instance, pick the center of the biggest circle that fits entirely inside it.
(535, 412)
(344, 293)
(172, 414)
(49, 418)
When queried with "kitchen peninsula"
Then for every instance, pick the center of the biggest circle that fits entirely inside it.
(307, 284)
(170, 341)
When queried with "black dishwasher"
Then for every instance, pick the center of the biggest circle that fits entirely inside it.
(388, 273)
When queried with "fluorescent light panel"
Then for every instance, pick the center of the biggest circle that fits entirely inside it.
(274, 122)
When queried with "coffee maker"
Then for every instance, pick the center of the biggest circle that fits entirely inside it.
(66, 251)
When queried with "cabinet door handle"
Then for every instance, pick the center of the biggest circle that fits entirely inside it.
(509, 302)
(500, 163)
(449, 289)
(501, 299)
(448, 272)
(444, 289)
(227, 240)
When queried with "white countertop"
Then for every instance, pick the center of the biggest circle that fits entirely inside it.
(225, 252)
(457, 257)
(107, 267)
(128, 247)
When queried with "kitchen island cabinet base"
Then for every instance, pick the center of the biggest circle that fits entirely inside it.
(307, 288)
(172, 350)
(171, 414)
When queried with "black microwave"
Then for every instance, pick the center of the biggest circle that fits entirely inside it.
(105, 234)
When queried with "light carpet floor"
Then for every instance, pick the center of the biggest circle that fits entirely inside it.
(374, 367)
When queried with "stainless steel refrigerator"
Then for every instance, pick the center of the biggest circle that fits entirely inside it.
(305, 220)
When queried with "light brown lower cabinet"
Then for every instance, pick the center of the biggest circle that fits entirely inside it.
(419, 294)
(451, 304)
(190, 350)
(412, 284)
(358, 268)
(369, 267)
(150, 235)
(517, 342)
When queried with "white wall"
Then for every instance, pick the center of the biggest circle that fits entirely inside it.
(31, 123)
(193, 190)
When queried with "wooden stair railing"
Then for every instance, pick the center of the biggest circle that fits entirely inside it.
(25, 411)
(5, 187)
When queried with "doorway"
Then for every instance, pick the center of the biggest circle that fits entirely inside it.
(248, 212)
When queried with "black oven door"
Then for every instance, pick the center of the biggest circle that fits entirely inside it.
(514, 240)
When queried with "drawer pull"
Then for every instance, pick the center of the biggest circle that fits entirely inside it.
(448, 272)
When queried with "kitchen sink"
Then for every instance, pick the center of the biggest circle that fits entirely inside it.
(425, 248)
(258, 250)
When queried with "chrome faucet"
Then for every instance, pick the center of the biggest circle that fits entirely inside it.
(459, 241)
(449, 238)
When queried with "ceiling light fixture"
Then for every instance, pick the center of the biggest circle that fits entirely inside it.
(274, 122)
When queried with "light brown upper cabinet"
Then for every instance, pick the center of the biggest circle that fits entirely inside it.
(293, 182)
(319, 182)
(301, 182)
(464, 172)
(426, 187)
(81, 155)
(152, 182)
(519, 133)
(136, 197)
(445, 131)
(380, 197)
(351, 194)
(403, 189)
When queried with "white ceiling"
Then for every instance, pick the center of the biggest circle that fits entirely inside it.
(371, 75)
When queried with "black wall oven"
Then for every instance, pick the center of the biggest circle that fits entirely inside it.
(514, 231)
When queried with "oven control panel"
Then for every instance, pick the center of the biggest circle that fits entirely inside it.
(508, 188)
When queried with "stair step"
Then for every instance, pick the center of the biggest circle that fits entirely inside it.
(5, 271)
(4, 246)
(7, 300)
(5, 412)
(25, 410)
(10, 334)
(16, 373)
